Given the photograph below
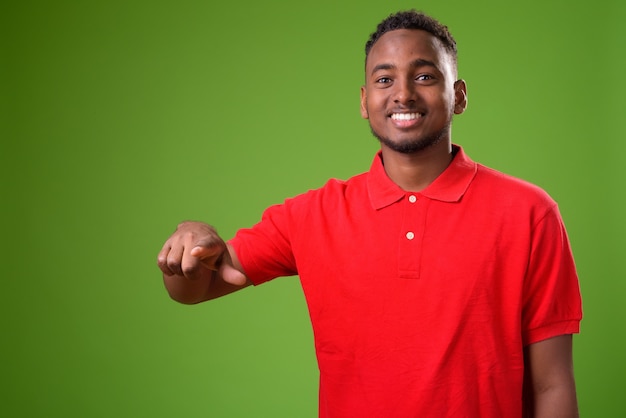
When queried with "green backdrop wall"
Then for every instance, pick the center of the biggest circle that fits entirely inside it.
(121, 118)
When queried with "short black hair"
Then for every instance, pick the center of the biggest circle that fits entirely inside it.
(412, 19)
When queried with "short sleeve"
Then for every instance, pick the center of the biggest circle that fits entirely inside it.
(552, 302)
(265, 250)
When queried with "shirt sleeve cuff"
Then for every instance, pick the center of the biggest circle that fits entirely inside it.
(553, 330)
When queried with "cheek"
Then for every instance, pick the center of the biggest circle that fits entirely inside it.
(444, 103)
(450, 98)
(375, 105)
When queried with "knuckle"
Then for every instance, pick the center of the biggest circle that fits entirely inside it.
(189, 271)
(173, 264)
(183, 224)
(195, 227)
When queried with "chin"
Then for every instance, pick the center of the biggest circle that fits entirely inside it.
(412, 145)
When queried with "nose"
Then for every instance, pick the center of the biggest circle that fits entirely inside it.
(405, 92)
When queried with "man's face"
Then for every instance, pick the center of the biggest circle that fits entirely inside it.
(410, 93)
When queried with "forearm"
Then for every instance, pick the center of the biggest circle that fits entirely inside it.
(550, 390)
(556, 402)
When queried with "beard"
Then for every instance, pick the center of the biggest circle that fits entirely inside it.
(413, 145)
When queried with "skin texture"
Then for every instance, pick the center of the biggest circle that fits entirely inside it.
(407, 72)
(550, 389)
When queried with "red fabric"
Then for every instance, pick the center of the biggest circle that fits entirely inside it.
(431, 326)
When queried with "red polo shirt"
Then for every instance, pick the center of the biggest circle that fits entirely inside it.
(421, 303)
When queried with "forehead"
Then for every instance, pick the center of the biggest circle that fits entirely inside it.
(401, 45)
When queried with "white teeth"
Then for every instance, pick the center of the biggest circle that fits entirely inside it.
(405, 116)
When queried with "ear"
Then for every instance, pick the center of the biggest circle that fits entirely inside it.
(460, 97)
(364, 113)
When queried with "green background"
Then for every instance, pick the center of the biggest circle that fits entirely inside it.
(121, 118)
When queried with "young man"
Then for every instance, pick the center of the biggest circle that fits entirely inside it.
(437, 287)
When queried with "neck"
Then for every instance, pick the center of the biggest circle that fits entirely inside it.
(414, 172)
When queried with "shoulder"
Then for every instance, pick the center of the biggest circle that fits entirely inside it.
(509, 197)
(489, 180)
(333, 190)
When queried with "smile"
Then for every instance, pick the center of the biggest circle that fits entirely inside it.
(405, 116)
(406, 120)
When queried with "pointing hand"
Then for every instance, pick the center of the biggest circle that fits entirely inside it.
(195, 250)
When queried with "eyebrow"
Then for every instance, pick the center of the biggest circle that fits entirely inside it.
(418, 63)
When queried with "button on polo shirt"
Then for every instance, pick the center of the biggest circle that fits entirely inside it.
(421, 303)
(413, 208)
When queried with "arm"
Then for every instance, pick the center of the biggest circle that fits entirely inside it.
(550, 390)
(197, 265)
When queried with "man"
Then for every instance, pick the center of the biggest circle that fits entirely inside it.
(437, 287)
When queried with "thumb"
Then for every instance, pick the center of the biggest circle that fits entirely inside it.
(210, 255)
(231, 275)
(207, 251)
(215, 256)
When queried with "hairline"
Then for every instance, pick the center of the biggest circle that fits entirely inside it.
(451, 54)
(414, 20)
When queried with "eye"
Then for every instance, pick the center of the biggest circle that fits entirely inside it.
(383, 80)
(426, 79)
